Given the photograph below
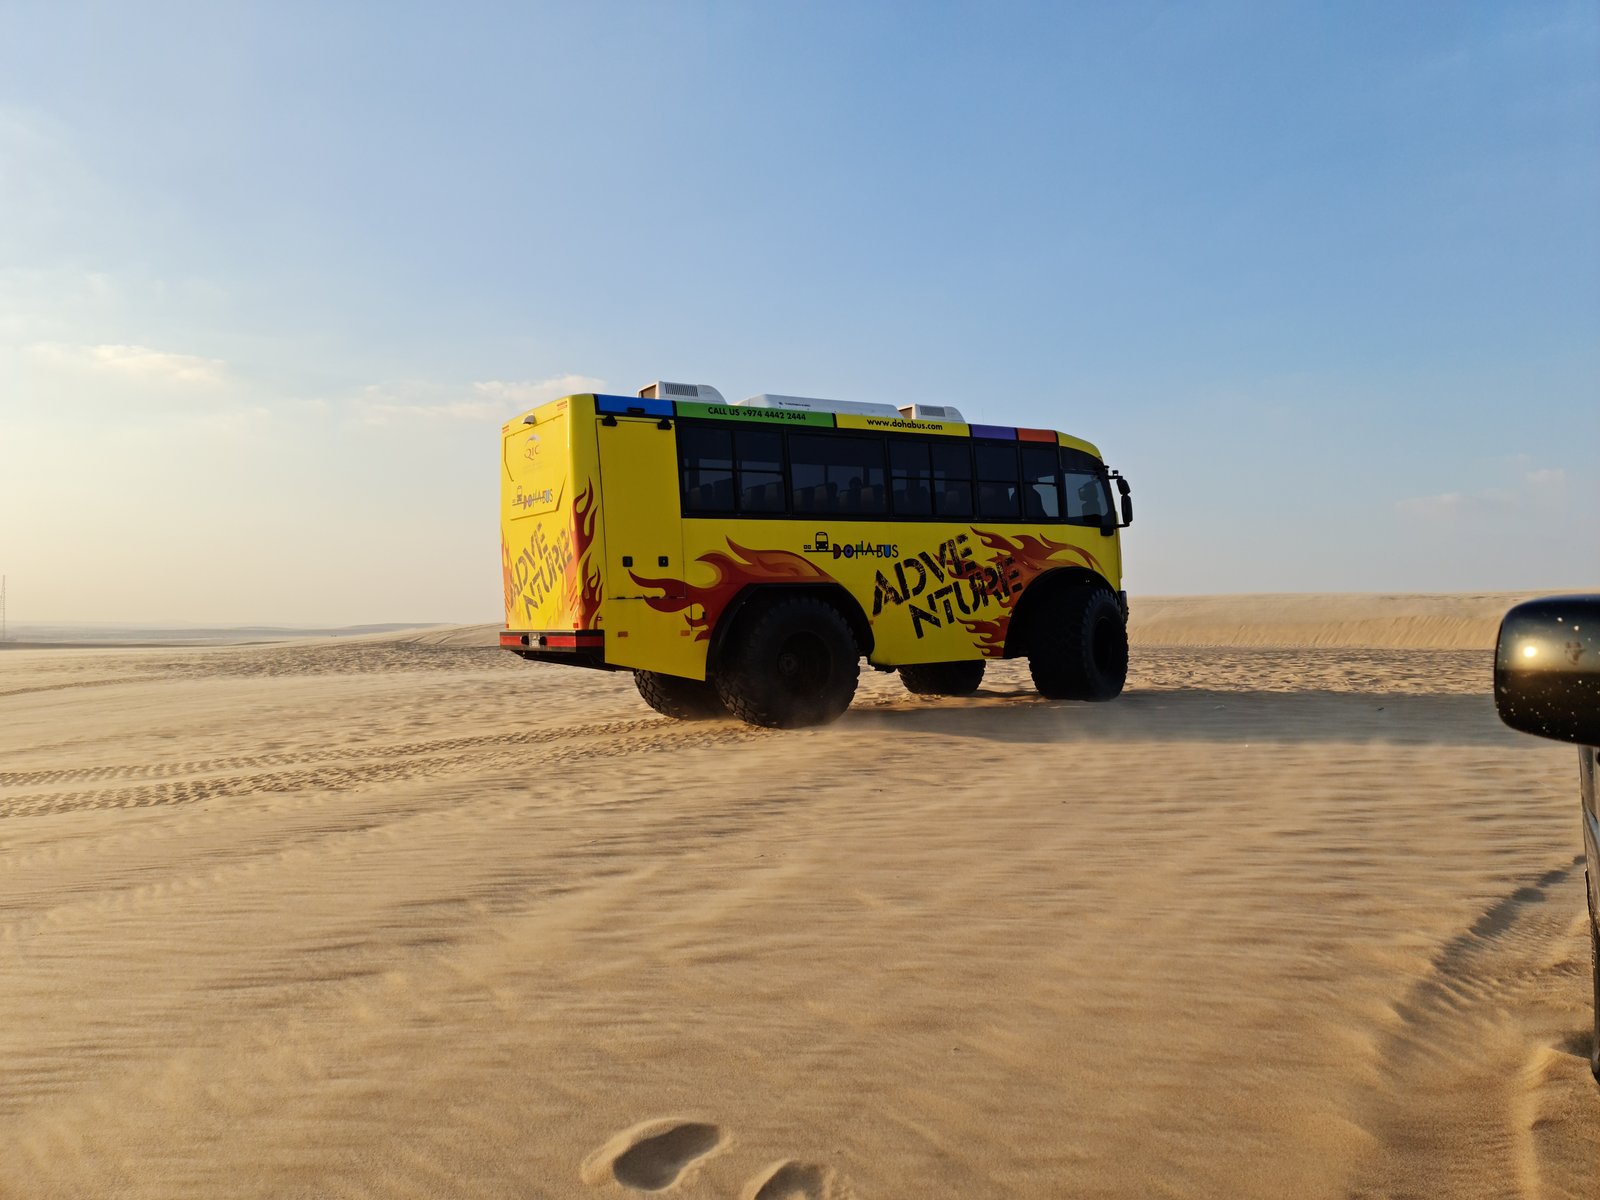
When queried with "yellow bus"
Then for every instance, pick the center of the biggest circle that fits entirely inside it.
(743, 558)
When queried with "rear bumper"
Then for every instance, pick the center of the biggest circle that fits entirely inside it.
(574, 647)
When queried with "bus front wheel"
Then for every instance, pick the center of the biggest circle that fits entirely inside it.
(943, 679)
(788, 664)
(678, 698)
(1079, 650)
(1594, 967)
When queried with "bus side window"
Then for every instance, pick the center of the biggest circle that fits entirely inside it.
(997, 479)
(837, 474)
(912, 481)
(1084, 488)
(1041, 483)
(758, 456)
(952, 478)
(705, 468)
(808, 475)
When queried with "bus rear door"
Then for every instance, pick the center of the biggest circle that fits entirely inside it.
(644, 543)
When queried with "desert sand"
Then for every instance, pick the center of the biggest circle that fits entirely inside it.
(405, 916)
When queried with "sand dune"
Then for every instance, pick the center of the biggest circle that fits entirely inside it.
(1462, 621)
(400, 915)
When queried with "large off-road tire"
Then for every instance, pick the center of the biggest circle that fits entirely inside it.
(1594, 968)
(789, 663)
(943, 679)
(679, 698)
(1080, 646)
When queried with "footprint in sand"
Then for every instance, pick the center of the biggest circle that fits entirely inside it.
(791, 1181)
(653, 1156)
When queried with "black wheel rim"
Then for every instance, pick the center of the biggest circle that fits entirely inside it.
(804, 664)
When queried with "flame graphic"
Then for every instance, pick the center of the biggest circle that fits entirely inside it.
(991, 635)
(1028, 557)
(505, 572)
(730, 575)
(583, 575)
(1034, 554)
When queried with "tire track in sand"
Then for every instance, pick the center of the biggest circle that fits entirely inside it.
(33, 689)
(1457, 1078)
(439, 929)
(167, 770)
(388, 764)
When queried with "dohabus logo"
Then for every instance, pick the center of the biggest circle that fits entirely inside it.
(851, 549)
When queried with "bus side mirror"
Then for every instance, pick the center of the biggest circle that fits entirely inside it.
(1547, 668)
(1126, 493)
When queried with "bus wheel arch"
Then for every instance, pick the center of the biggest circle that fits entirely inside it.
(757, 594)
(789, 658)
(1041, 596)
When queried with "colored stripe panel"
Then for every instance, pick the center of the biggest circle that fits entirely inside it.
(1037, 435)
(1066, 439)
(1004, 432)
(764, 416)
(901, 425)
(632, 406)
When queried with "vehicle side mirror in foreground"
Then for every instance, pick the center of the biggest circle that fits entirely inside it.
(1547, 668)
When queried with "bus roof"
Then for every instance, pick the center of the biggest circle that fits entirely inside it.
(752, 415)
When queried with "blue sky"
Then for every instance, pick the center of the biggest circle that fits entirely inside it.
(1324, 281)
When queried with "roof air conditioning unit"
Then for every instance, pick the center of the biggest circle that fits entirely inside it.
(931, 412)
(702, 393)
(812, 404)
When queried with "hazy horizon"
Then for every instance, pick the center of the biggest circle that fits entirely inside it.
(158, 626)
(1322, 283)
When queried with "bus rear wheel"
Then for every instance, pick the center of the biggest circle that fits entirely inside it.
(679, 698)
(943, 679)
(790, 663)
(1080, 649)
